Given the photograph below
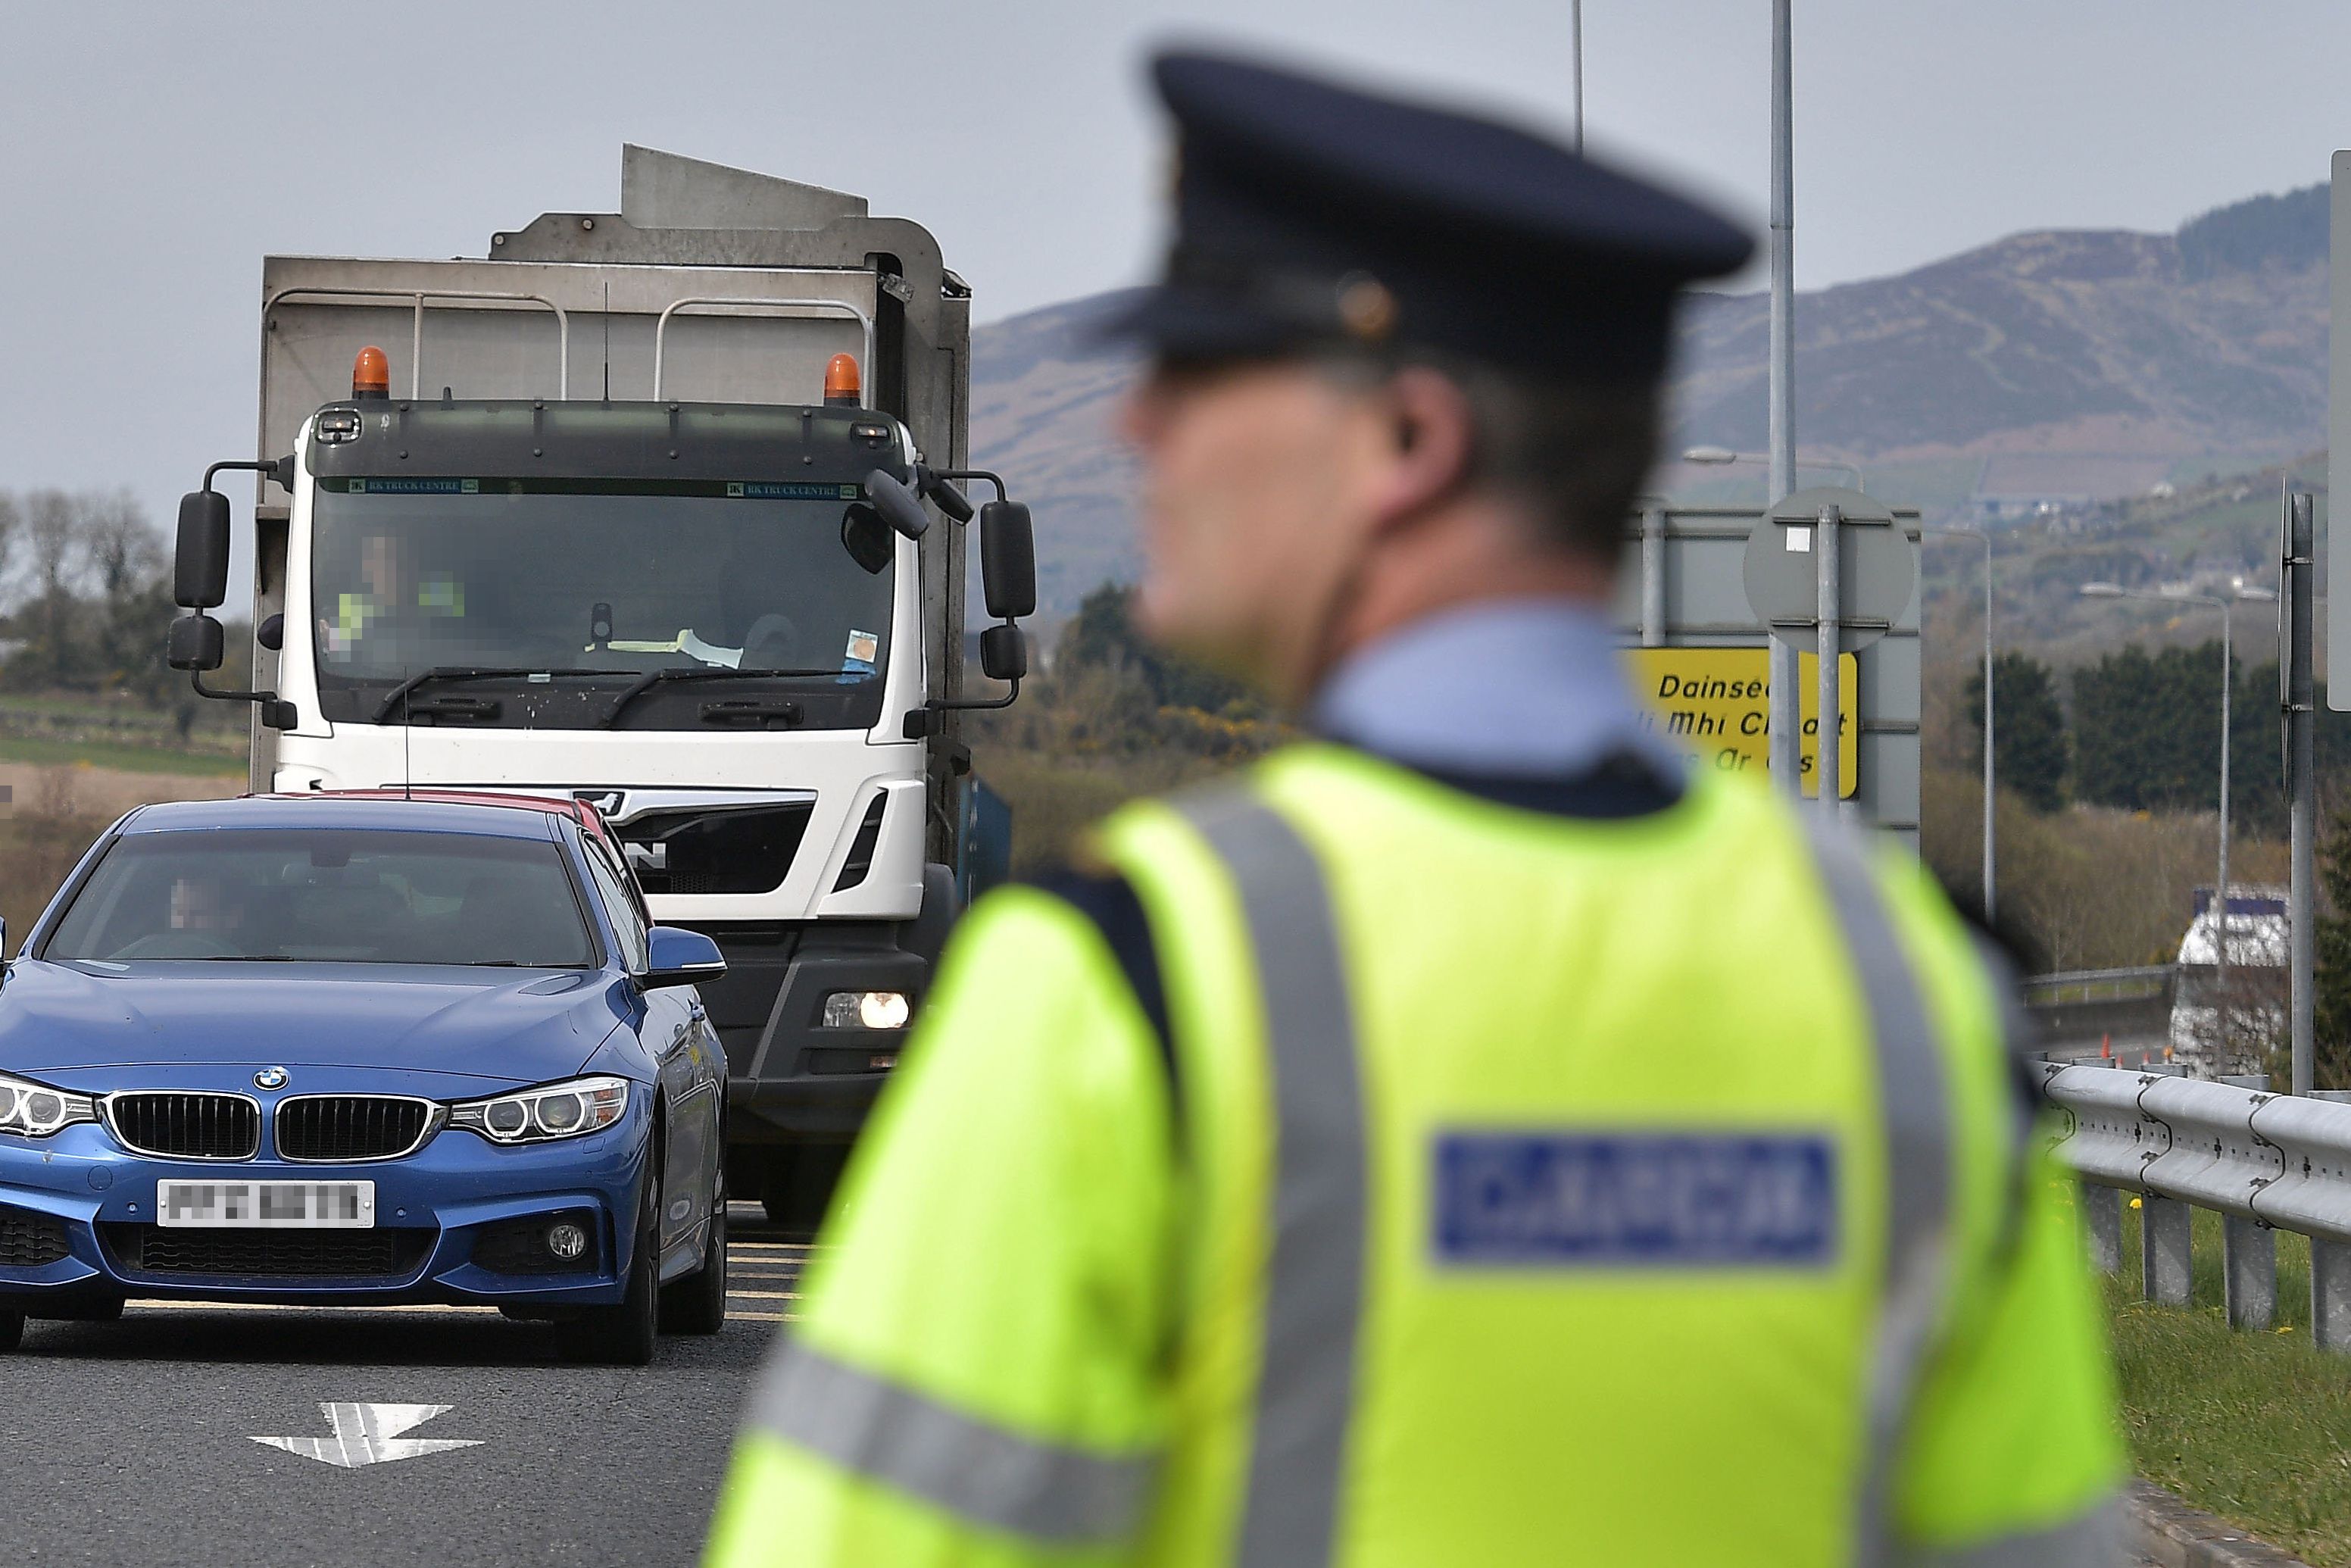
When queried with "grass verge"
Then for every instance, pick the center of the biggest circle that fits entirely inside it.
(2254, 1426)
(123, 758)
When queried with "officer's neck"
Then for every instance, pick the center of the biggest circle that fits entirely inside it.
(1472, 549)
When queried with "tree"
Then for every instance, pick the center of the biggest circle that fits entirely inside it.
(2146, 728)
(2332, 939)
(1102, 636)
(2028, 730)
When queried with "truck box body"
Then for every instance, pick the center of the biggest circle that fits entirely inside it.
(678, 348)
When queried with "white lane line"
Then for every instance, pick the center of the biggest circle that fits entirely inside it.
(370, 1435)
(733, 1294)
(734, 1316)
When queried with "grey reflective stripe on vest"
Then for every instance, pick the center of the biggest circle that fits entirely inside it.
(1913, 1109)
(1314, 1269)
(888, 1433)
(2093, 1540)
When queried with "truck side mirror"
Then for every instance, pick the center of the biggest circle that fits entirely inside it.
(196, 642)
(944, 494)
(1007, 560)
(1003, 653)
(199, 569)
(897, 504)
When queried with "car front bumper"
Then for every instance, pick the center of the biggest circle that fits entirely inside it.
(77, 1211)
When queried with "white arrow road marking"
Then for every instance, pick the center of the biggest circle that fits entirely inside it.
(370, 1435)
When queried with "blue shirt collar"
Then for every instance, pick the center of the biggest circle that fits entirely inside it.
(1531, 688)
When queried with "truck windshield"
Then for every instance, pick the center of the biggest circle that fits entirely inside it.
(327, 895)
(572, 589)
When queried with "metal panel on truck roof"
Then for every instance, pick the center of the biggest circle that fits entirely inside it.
(321, 310)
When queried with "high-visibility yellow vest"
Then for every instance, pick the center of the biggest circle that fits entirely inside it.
(1526, 1189)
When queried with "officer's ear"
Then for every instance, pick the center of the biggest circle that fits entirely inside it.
(1433, 437)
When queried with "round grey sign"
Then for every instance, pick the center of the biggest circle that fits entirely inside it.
(1877, 567)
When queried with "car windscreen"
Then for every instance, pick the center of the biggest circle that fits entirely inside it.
(327, 895)
(587, 584)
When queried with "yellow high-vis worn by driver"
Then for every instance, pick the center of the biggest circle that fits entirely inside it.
(1507, 1187)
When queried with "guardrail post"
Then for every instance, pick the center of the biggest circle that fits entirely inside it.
(2163, 1249)
(2330, 1295)
(2247, 1272)
(2103, 1207)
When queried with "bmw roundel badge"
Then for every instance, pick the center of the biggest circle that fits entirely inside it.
(270, 1077)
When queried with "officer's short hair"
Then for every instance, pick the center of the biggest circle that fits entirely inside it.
(1572, 452)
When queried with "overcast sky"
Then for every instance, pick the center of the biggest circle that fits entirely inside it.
(150, 154)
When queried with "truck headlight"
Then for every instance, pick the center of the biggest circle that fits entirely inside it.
(866, 1009)
(569, 1110)
(36, 1110)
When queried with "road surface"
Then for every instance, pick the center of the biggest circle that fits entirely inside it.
(132, 1443)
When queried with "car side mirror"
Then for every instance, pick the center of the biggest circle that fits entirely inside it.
(196, 642)
(1007, 560)
(1003, 653)
(897, 504)
(680, 957)
(200, 566)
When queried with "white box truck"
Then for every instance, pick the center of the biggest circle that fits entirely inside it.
(662, 509)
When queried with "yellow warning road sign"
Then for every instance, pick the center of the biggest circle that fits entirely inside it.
(1717, 701)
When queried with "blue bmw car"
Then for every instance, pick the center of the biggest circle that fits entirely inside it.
(324, 1051)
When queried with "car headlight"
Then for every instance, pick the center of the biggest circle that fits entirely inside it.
(35, 1110)
(535, 1115)
(866, 1009)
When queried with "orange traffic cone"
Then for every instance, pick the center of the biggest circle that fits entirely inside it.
(2106, 1047)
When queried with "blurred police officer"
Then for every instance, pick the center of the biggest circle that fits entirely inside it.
(1474, 1136)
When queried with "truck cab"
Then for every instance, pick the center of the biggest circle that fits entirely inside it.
(627, 526)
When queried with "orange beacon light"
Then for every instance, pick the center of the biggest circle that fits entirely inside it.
(370, 374)
(841, 388)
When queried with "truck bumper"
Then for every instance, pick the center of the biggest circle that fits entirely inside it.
(792, 1079)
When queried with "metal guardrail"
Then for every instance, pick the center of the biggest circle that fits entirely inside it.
(2098, 985)
(2264, 1162)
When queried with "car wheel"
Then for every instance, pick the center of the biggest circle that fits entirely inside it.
(698, 1303)
(12, 1330)
(623, 1335)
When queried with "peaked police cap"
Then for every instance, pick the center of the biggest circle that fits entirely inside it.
(1308, 212)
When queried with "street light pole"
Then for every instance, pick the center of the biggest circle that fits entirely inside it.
(1575, 51)
(1787, 743)
(1722, 455)
(1990, 882)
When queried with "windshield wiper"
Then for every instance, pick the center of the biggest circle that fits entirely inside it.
(399, 694)
(251, 959)
(653, 678)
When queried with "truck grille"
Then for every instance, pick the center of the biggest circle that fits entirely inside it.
(350, 1127)
(29, 1241)
(745, 848)
(364, 1255)
(187, 1127)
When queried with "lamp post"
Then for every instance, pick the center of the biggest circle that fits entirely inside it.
(1575, 52)
(2238, 590)
(1723, 454)
(1991, 901)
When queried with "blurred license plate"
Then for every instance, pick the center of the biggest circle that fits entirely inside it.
(267, 1205)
